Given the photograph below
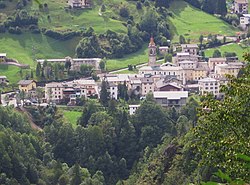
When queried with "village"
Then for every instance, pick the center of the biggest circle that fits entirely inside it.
(170, 83)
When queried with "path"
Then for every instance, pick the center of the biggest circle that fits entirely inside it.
(30, 119)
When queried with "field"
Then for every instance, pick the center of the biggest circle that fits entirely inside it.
(192, 22)
(71, 117)
(239, 49)
(136, 58)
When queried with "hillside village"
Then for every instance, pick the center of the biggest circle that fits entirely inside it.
(119, 92)
(170, 83)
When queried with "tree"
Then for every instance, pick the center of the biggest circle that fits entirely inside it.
(38, 69)
(223, 129)
(216, 53)
(89, 109)
(102, 65)
(124, 12)
(67, 65)
(39, 94)
(104, 94)
(76, 176)
(221, 7)
(182, 39)
(201, 39)
(86, 70)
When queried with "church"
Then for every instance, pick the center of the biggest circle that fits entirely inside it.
(153, 68)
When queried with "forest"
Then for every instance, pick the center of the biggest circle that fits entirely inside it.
(206, 140)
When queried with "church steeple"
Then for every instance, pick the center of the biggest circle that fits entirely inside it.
(152, 52)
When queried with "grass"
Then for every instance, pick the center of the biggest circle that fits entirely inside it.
(71, 117)
(239, 49)
(12, 73)
(136, 58)
(192, 22)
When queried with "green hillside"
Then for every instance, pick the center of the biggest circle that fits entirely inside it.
(192, 22)
(239, 49)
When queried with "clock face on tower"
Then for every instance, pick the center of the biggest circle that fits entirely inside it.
(151, 52)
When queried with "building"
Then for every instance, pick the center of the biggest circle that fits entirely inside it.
(184, 57)
(26, 85)
(245, 21)
(192, 49)
(152, 53)
(212, 62)
(187, 64)
(209, 86)
(199, 73)
(3, 57)
(173, 86)
(76, 62)
(163, 50)
(171, 98)
(132, 109)
(113, 90)
(3, 80)
(79, 3)
(240, 6)
(57, 91)
(232, 68)
(147, 85)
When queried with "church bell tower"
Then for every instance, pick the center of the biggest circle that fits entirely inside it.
(151, 53)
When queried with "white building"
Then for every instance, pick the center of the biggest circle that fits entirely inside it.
(245, 21)
(113, 90)
(171, 98)
(3, 56)
(76, 62)
(163, 50)
(192, 49)
(132, 109)
(241, 6)
(184, 57)
(209, 85)
(78, 3)
(3, 80)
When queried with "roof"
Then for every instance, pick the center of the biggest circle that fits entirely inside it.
(186, 62)
(208, 80)
(160, 68)
(189, 45)
(3, 54)
(246, 15)
(171, 95)
(54, 84)
(163, 47)
(241, 1)
(217, 59)
(64, 59)
(132, 106)
(3, 77)
(147, 80)
(183, 54)
(25, 82)
(151, 43)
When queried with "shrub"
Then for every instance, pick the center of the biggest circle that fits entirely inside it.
(124, 12)
(2, 5)
(15, 30)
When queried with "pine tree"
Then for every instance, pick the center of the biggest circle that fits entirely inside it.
(38, 69)
(221, 7)
(104, 96)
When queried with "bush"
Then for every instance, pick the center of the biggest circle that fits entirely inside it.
(138, 6)
(61, 35)
(15, 30)
(124, 12)
(2, 28)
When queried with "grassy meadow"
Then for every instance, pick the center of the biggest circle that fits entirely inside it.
(192, 22)
(238, 48)
(136, 58)
(71, 117)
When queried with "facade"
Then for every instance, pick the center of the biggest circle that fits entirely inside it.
(240, 6)
(212, 62)
(3, 80)
(70, 90)
(192, 49)
(163, 50)
(26, 85)
(78, 3)
(76, 62)
(187, 64)
(164, 71)
(245, 21)
(147, 86)
(233, 68)
(171, 98)
(184, 57)
(113, 90)
(209, 85)
(199, 73)
(132, 109)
